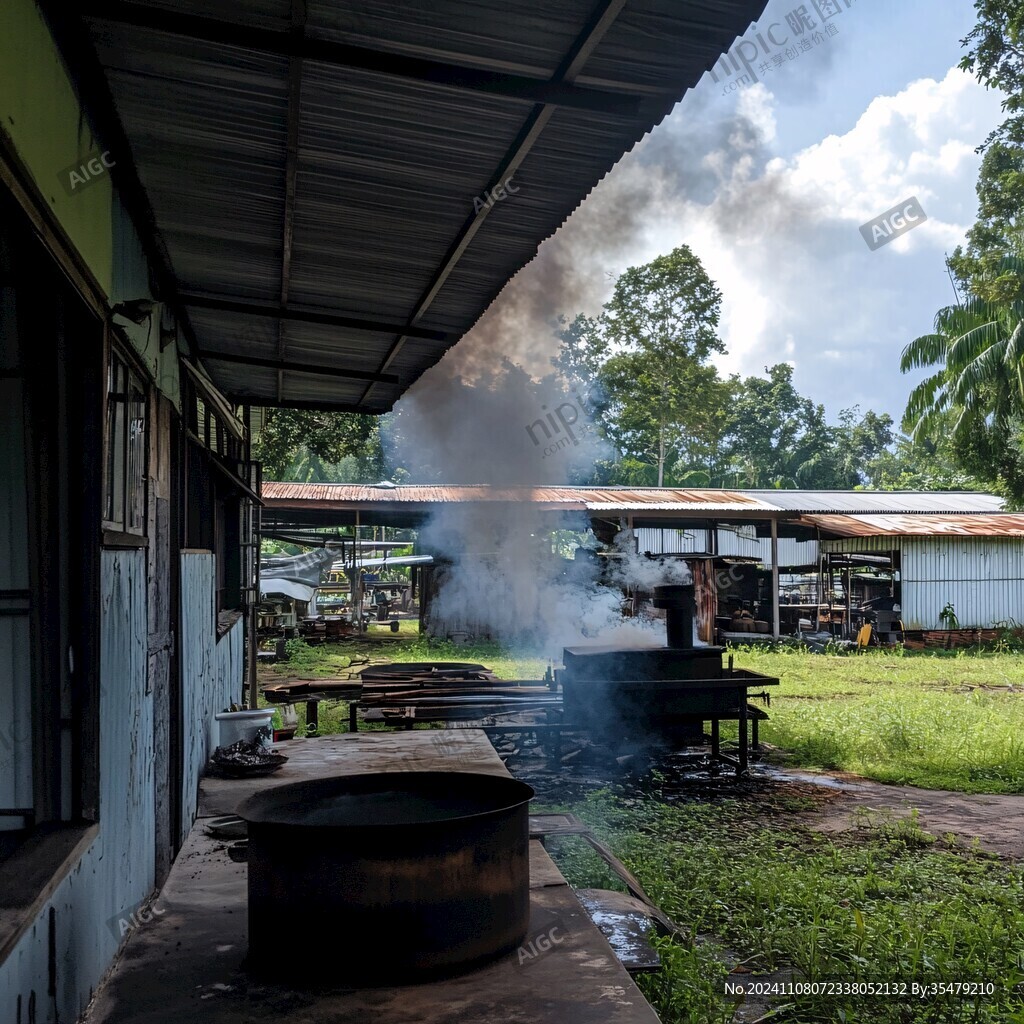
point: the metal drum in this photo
(388, 877)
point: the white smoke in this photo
(500, 576)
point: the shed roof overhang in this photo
(305, 170)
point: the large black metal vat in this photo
(657, 696)
(387, 877)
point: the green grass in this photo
(888, 904)
(918, 719)
(911, 718)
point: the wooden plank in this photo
(30, 877)
(626, 923)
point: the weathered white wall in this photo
(116, 873)
(211, 671)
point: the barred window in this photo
(125, 449)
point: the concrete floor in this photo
(186, 963)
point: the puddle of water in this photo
(768, 771)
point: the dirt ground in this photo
(997, 822)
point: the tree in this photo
(976, 396)
(661, 327)
(926, 465)
(996, 57)
(990, 264)
(297, 444)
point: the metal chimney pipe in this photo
(679, 602)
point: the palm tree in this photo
(975, 398)
(979, 349)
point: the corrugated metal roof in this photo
(312, 183)
(879, 502)
(976, 525)
(595, 499)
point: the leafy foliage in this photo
(976, 394)
(311, 447)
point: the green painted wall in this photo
(41, 115)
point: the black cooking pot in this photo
(387, 877)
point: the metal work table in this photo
(187, 964)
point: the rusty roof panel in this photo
(967, 525)
(598, 499)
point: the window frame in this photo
(125, 457)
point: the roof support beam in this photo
(520, 88)
(309, 316)
(601, 19)
(284, 366)
(291, 169)
(289, 404)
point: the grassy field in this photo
(935, 720)
(888, 903)
(939, 721)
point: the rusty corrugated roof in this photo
(596, 499)
(985, 524)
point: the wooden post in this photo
(743, 732)
(849, 603)
(252, 584)
(775, 579)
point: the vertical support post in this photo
(252, 570)
(744, 758)
(848, 586)
(775, 579)
(357, 580)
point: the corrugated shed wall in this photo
(862, 545)
(660, 541)
(792, 552)
(982, 578)
(211, 672)
(116, 873)
(665, 541)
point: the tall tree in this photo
(661, 326)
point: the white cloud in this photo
(781, 237)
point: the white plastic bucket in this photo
(233, 726)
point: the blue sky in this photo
(769, 185)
